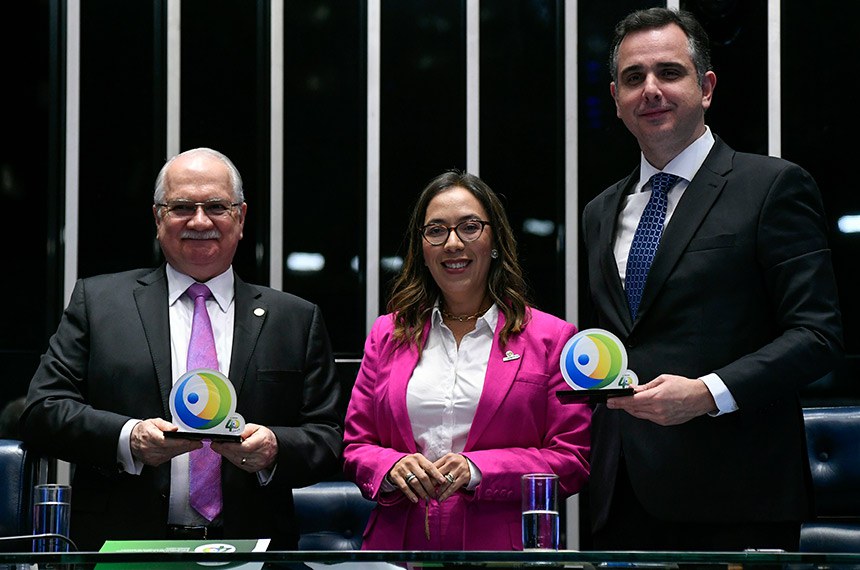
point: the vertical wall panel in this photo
(738, 32)
(121, 129)
(423, 123)
(28, 190)
(820, 41)
(324, 162)
(372, 215)
(522, 132)
(225, 95)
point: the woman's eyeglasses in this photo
(437, 234)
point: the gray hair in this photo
(235, 177)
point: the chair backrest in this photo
(17, 476)
(331, 515)
(833, 448)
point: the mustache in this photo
(193, 234)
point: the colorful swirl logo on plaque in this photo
(204, 401)
(595, 359)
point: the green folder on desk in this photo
(182, 546)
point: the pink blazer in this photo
(519, 427)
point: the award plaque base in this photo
(201, 436)
(591, 396)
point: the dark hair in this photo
(414, 291)
(697, 38)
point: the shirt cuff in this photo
(726, 403)
(387, 486)
(264, 476)
(475, 475)
(124, 459)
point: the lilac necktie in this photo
(646, 239)
(204, 464)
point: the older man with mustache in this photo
(100, 396)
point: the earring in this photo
(494, 253)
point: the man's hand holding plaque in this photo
(594, 364)
(203, 405)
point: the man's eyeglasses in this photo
(437, 234)
(185, 209)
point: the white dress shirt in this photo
(685, 165)
(445, 387)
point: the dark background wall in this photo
(225, 86)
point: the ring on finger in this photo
(449, 477)
(410, 477)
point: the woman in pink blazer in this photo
(455, 399)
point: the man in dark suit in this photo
(738, 312)
(100, 396)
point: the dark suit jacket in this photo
(109, 361)
(742, 285)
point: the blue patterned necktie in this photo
(204, 465)
(646, 239)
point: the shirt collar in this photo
(220, 285)
(685, 165)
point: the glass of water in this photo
(540, 511)
(52, 508)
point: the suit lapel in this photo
(694, 205)
(151, 300)
(501, 372)
(608, 263)
(250, 314)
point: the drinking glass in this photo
(52, 509)
(540, 511)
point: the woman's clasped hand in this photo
(419, 478)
